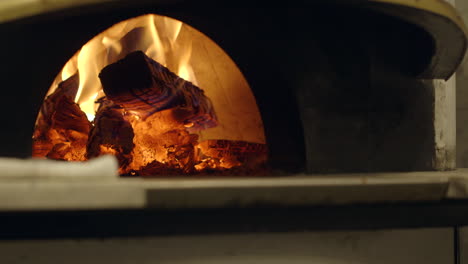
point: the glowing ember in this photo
(138, 83)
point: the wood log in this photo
(62, 128)
(67, 88)
(140, 84)
(111, 134)
(68, 115)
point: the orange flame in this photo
(158, 142)
(158, 37)
(186, 52)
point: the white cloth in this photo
(103, 166)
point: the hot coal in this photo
(228, 154)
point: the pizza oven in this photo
(316, 88)
(289, 104)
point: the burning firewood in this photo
(142, 85)
(111, 134)
(164, 110)
(62, 128)
(162, 137)
(148, 119)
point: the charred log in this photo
(61, 125)
(140, 84)
(111, 134)
(67, 88)
(68, 115)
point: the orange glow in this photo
(158, 141)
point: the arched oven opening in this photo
(160, 96)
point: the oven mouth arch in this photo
(160, 96)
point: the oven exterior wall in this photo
(462, 99)
(445, 120)
(362, 112)
(410, 246)
(445, 124)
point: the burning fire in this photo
(158, 94)
(155, 35)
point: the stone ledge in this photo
(182, 193)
